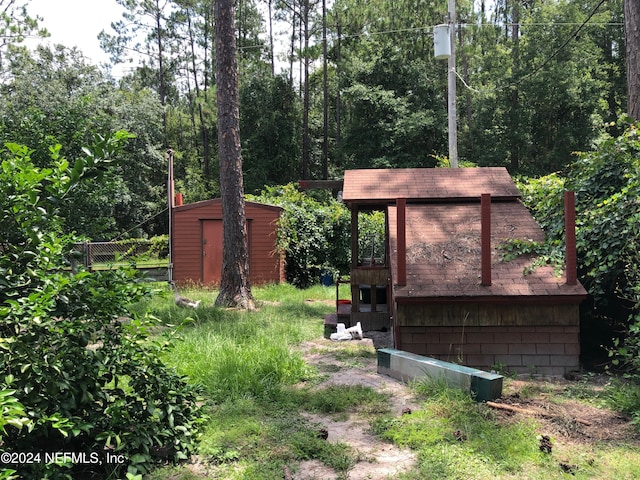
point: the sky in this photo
(77, 23)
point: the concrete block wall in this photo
(540, 350)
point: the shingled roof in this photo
(443, 233)
(444, 260)
(383, 186)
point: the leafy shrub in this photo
(607, 185)
(314, 235)
(75, 356)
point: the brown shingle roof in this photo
(375, 186)
(443, 253)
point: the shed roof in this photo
(218, 201)
(444, 255)
(383, 186)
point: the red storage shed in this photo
(196, 246)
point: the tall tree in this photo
(194, 27)
(235, 285)
(632, 35)
(15, 25)
(149, 18)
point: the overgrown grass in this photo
(459, 438)
(246, 363)
(624, 396)
(259, 388)
(235, 354)
(344, 398)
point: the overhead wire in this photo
(558, 50)
(148, 219)
(429, 28)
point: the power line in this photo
(140, 224)
(558, 50)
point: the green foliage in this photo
(451, 433)
(542, 253)
(624, 396)
(314, 235)
(393, 119)
(53, 97)
(371, 236)
(11, 410)
(268, 122)
(543, 196)
(607, 185)
(346, 398)
(75, 356)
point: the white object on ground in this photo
(343, 333)
(356, 331)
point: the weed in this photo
(501, 369)
(625, 397)
(346, 398)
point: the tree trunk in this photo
(514, 107)
(235, 286)
(632, 38)
(271, 52)
(203, 126)
(338, 106)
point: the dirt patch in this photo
(568, 421)
(355, 363)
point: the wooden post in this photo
(355, 289)
(485, 238)
(401, 225)
(354, 236)
(570, 237)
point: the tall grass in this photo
(236, 354)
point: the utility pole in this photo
(451, 103)
(325, 95)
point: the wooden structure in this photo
(196, 243)
(450, 295)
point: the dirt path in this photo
(355, 363)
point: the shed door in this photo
(211, 251)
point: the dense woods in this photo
(536, 81)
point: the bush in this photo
(314, 235)
(607, 185)
(77, 359)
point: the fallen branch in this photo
(583, 422)
(511, 408)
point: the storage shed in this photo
(450, 295)
(196, 243)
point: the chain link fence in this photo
(142, 253)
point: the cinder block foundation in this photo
(533, 350)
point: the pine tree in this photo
(235, 285)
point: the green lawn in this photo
(258, 388)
